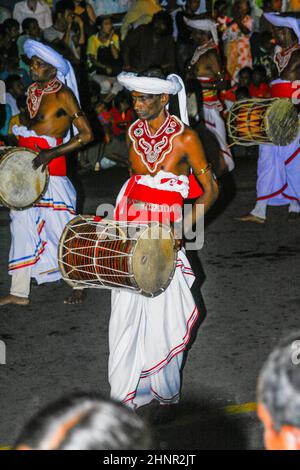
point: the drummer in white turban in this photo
(278, 170)
(53, 105)
(206, 66)
(148, 336)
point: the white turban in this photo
(172, 85)
(204, 25)
(65, 72)
(284, 22)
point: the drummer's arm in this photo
(85, 135)
(201, 168)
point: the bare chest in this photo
(51, 117)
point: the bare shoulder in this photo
(65, 93)
(189, 136)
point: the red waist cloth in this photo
(144, 204)
(285, 90)
(57, 167)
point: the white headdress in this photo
(284, 22)
(172, 85)
(204, 25)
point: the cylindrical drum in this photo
(263, 121)
(100, 253)
(20, 185)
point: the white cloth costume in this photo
(212, 107)
(147, 336)
(278, 170)
(35, 232)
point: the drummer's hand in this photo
(44, 157)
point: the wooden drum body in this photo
(96, 253)
(20, 185)
(267, 121)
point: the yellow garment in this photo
(294, 5)
(94, 43)
(141, 13)
(15, 120)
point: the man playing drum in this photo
(53, 106)
(206, 65)
(148, 336)
(278, 181)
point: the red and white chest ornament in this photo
(35, 95)
(153, 149)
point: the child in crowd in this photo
(220, 15)
(258, 87)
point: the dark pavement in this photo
(251, 292)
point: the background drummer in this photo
(53, 107)
(278, 170)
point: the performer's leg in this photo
(260, 209)
(20, 282)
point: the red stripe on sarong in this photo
(292, 156)
(273, 194)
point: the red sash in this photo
(285, 90)
(57, 167)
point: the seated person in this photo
(31, 30)
(103, 52)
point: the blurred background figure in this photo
(84, 421)
(37, 9)
(237, 39)
(103, 54)
(279, 396)
(87, 14)
(141, 12)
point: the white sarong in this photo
(147, 336)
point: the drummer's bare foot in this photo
(77, 297)
(251, 218)
(14, 300)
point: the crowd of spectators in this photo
(102, 38)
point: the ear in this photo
(164, 99)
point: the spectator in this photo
(151, 46)
(242, 93)
(12, 67)
(84, 422)
(21, 119)
(37, 9)
(245, 77)
(103, 51)
(61, 35)
(14, 89)
(259, 88)
(31, 30)
(221, 15)
(86, 12)
(115, 125)
(279, 397)
(237, 39)
(141, 12)
(12, 29)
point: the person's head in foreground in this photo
(84, 421)
(279, 396)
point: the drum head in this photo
(154, 260)
(282, 122)
(20, 185)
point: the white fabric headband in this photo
(284, 22)
(204, 25)
(173, 85)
